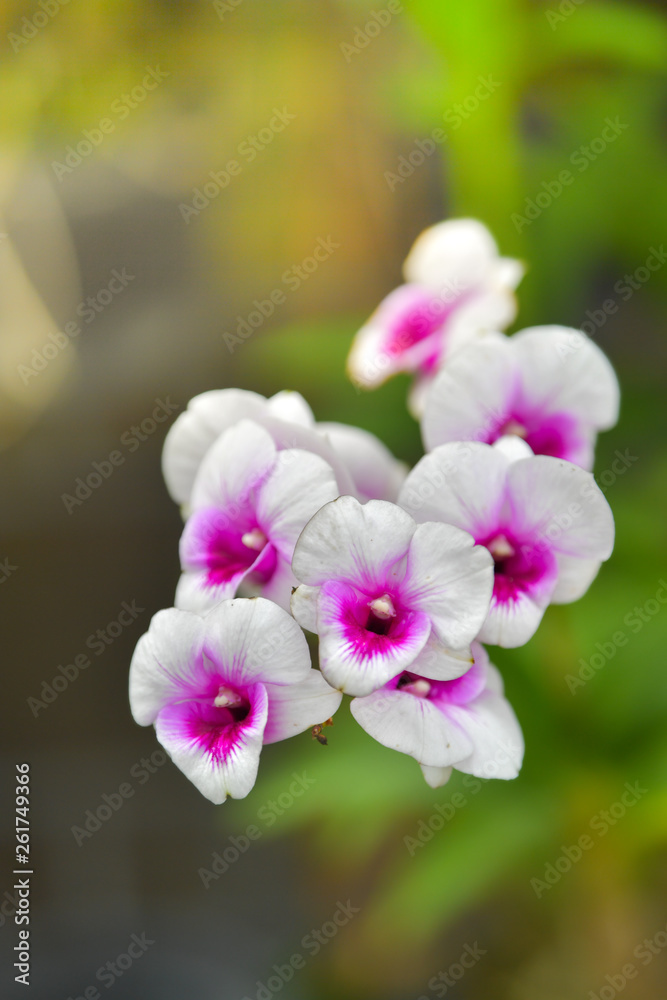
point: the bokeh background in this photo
(361, 98)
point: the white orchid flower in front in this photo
(465, 723)
(217, 689)
(549, 385)
(378, 589)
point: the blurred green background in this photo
(358, 86)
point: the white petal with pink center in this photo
(465, 723)
(218, 688)
(249, 503)
(544, 521)
(457, 288)
(378, 589)
(549, 385)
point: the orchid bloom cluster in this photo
(294, 525)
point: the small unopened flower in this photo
(379, 589)
(218, 688)
(549, 385)
(249, 503)
(465, 723)
(544, 521)
(362, 464)
(457, 287)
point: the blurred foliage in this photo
(558, 83)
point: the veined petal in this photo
(436, 777)
(219, 760)
(293, 708)
(377, 475)
(509, 272)
(463, 484)
(255, 640)
(278, 588)
(414, 726)
(195, 593)
(403, 334)
(440, 663)
(290, 406)
(513, 620)
(560, 505)
(348, 541)
(492, 727)
(304, 606)
(195, 430)
(234, 467)
(352, 658)
(450, 579)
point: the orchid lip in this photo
(501, 548)
(420, 687)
